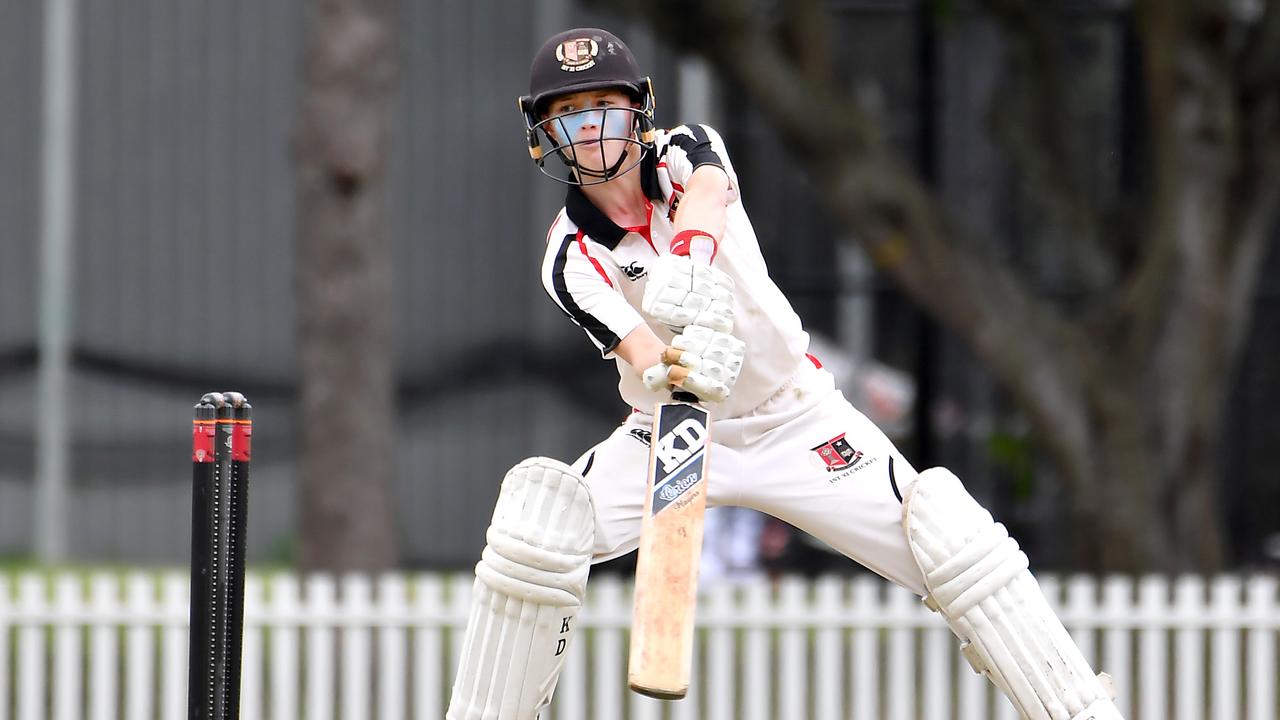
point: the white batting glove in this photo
(681, 292)
(700, 360)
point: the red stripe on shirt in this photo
(582, 245)
(553, 226)
(671, 201)
(676, 187)
(644, 230)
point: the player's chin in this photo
(592, 163)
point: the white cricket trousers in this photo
(805, 456)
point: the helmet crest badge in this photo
(577, 55)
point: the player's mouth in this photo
(590, 150)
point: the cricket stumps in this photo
(221, 437)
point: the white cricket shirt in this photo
(595, 271)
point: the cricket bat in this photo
(670, 545)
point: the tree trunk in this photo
(342, 284)
(1132, 531)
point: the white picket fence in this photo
(107, 646)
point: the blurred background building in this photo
(182, 224)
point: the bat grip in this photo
(684, 396)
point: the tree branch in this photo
(1159, 26)
(1026, 342)
(1258, 186)
(808, 38)
(1259, 207)
(1260, 61)
(1033, 119)
(1245, 270)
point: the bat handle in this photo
(684, 396)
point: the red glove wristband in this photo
(682, 243)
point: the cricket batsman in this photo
(654, 250)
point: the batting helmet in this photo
(578, 60)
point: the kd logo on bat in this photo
(679, 452)
(680, 443)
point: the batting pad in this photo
(529, 585)
(979, 580)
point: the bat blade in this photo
(670, 545)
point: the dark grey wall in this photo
(182, 266)
(20, 59)
(184, 229)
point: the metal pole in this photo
(57, 205)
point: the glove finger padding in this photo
(711, 282)
(700, 360)
(714, 353)
(718, 316)
(681, 292)
(655, 377)
(704, 386)
(713, 369)
(665, 376)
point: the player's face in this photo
(594, 125)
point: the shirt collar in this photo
(595, 223)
